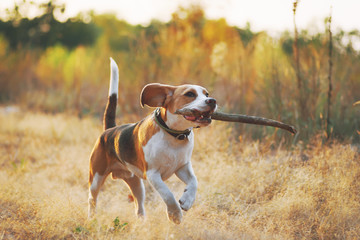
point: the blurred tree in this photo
(328, 116)
(246, 34)
(45, 30)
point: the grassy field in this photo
(247, 189)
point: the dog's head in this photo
(193, 99)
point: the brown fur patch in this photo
(163, 114)
(155, 94)
(98, 163)
(178, 100)
(142, 134)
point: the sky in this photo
(273, 16)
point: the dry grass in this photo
(246, 190)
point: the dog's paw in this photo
(186, 201)
(141, 213)
(174, 214)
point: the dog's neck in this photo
(174, 121)
(179, 135)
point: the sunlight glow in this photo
(273, 16)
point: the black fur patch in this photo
(124, 148)
(127, 149)
(110, 111)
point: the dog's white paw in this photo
(186, 201)
(174, 214)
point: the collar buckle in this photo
(181, 137)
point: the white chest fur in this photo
(166, 155)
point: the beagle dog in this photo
(154, 148)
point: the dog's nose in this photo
(211, 102)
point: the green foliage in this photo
(81, 230)
(246, 34)
(117, 225)
(19, 165)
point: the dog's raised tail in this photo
(110, 110)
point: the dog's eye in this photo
(206, 94)
(190, 94)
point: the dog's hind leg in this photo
(137, 188)
(97, 182)
(97, 176)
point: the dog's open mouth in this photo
(199, 117)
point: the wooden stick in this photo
(243, 119)
(252, 120)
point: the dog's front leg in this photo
(186, 174)
(173, 208)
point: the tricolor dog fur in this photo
(154, 148)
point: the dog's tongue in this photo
(190, 118)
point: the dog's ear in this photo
(156, 94)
